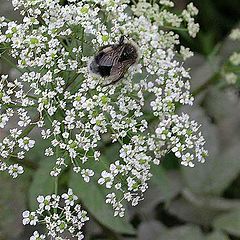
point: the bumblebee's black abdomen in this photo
(104, 71)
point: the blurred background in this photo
(202, 203)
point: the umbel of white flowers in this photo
(73, 110)
(58, 216)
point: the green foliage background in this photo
(181, 204)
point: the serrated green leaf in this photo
(229, 222)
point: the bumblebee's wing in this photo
(118, 71)
(109, 56)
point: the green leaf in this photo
(189, 212)
(12, 204)
(229, 222)
(215, 175)
(163, 187)
(150, 230)
(93, 195)
(188, 232)
(169, 183)
(217, 236)
(221, 105)
(200, 209)
(43, 183)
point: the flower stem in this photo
(56, 185)
(174, 28)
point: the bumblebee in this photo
(113, 61)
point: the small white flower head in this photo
(59, 217)
(167, 3)
(15, 170)
(185, 52)
(235, 34)
(26, 143)
(3, 120)
(37, 236)
(106, 178)
(231, 78)
(44, 202)
(3, 166)
(235, 58)
(69, 197)
(193, 28)
(29, 218)
(192, 9)
(86, 174)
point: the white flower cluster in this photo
(76, 112)
(230, 70)
(12, 96)
(130, 174)
(182, 138)
(185, 52)
(13, 170)
(235, 34)
(59, 214)
(235, 57)
(160, 15)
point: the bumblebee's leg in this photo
(121, 40)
